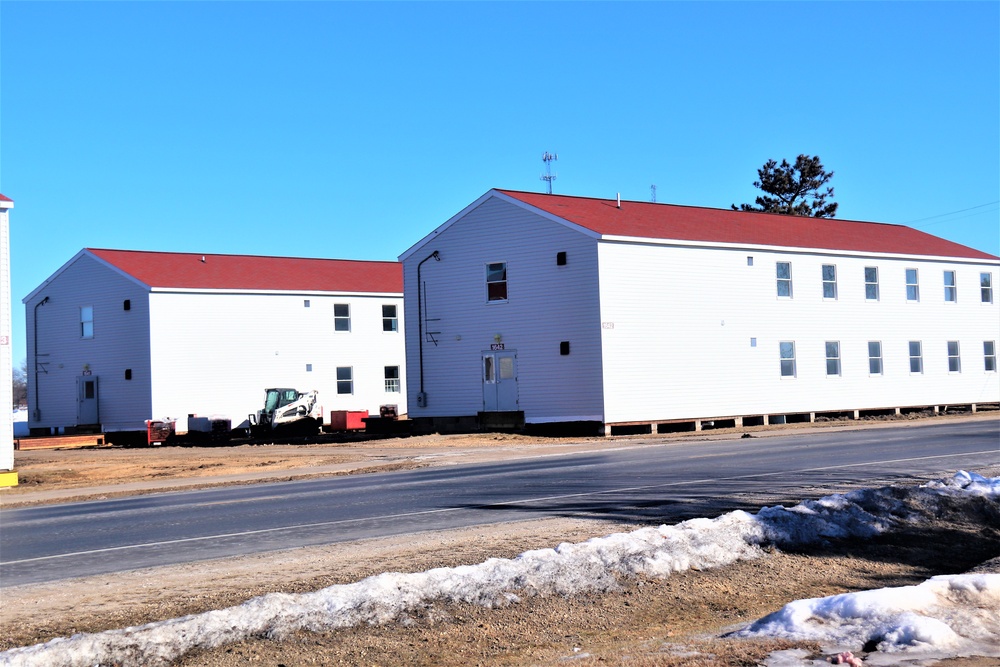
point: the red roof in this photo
(691, 223)
(5, 198)
(249, 272)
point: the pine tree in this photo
(794, 189)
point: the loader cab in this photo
(279, 398)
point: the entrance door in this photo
(500, 381)
(87, 400)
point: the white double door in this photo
(500, 381)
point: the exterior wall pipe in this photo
(422, 397)
(37, 413)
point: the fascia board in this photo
(199, 290)
(548, 216)
(503, 197)
(83, 253)
(789, 250)
(409, 252)
(4, 205)
(119, 271)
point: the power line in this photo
(972, 208)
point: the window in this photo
(784, 273)
(912, 287)
(127, 304)
(829, 281)
(306, 303)
(787, 352)
(950, 291)
(389, 320)
(749, 260)
(954, 360)
(986, 287)
(87, 322)
(990, 356)
(564, 348)
(496, 281)
(832, 357)
(871, 283)
(309, 368)
(916, 357)
(392, 379)
(341, 317)
(874, 357)
(345, 380)
(561, 258)
(128, 373)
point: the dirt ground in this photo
(676, 621)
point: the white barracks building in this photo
(117, 337)
(643, 316)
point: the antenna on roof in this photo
(548, 176)
(652, 193)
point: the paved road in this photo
(650, 482)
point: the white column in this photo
(6, 358)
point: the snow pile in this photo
(21, 429)
(946, 615)
(564, 570)
(966, 483)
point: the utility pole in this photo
(548, 176)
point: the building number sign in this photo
(496, 346)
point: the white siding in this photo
(119, 343)
(683, 319)
(215, 354)
(547, 304)
(6, 359)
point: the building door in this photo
(87, 400)
(500, 381)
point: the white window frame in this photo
(505, 282)
(832, 348)
(950, 289)
(829, 284)
(871, 286)
(875, 360)
(954, 357)
(392, 383)
(990, 356)
(786, 281)
(390, 323)
(86, 322)
(986, 287)
(786, 356)
(345, 380)
(914, 287)
(918, 357)
(342, 323)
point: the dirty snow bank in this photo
(941, 617)
(569, 568)
(945, 616)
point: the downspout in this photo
(37, 411)
(422, 396)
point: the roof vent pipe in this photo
(619, 200)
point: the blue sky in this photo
(336, 129)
